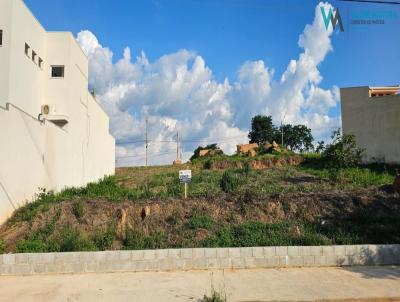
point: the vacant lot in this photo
(231, 203)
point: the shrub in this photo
(229, 182)
(78, 209)
(343, 152)
(31, 246)
(2, 246)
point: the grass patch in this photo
(215, 297)
(78, 208)
(137, 240)
(229, 182)
(200, 221)
(265, 234)
(362, 176)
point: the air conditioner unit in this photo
(48, 110)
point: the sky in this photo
(205, 68)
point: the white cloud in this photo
(178, 92)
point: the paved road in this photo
(305, 284)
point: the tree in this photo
(297, 138)
(262, 129)
(320, 147)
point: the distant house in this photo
(246, 148)
(372, 114)
(204, 152)
(53, 133)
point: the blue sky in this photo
(226, 34)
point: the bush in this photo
(343, 152)
(2, 246)
(229, 182)
(31, 246)
(78, 209)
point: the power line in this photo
(144, 155)
(205, 140)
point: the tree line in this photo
(292, 137)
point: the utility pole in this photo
(147, 141)
(282, 132)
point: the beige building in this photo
(373, 115)
(53, 134)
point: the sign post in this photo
(185, 177)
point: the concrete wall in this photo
(374, 121)
(199, 258)
(35, 154)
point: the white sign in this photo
(185, 176)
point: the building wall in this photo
(5, 25)
(39, 154)
(374, 121)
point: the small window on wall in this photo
(27, 49)
(57, 71)
(1, 37)
(40, 62)
(34, 55)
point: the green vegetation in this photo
(78, 209)
(267, 234)
(215, 297)
(229, 182)
(296, 137)
(350, 177)
(200, 221)
(2, 246)
(343, 152)
(246, 206)
(136, 240)
(311, 176)
(214, 151)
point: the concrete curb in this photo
(199, 258)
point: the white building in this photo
(53, 134)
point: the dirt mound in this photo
(173, 216)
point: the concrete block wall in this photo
(199, 259)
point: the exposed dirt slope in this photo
(172, 216)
